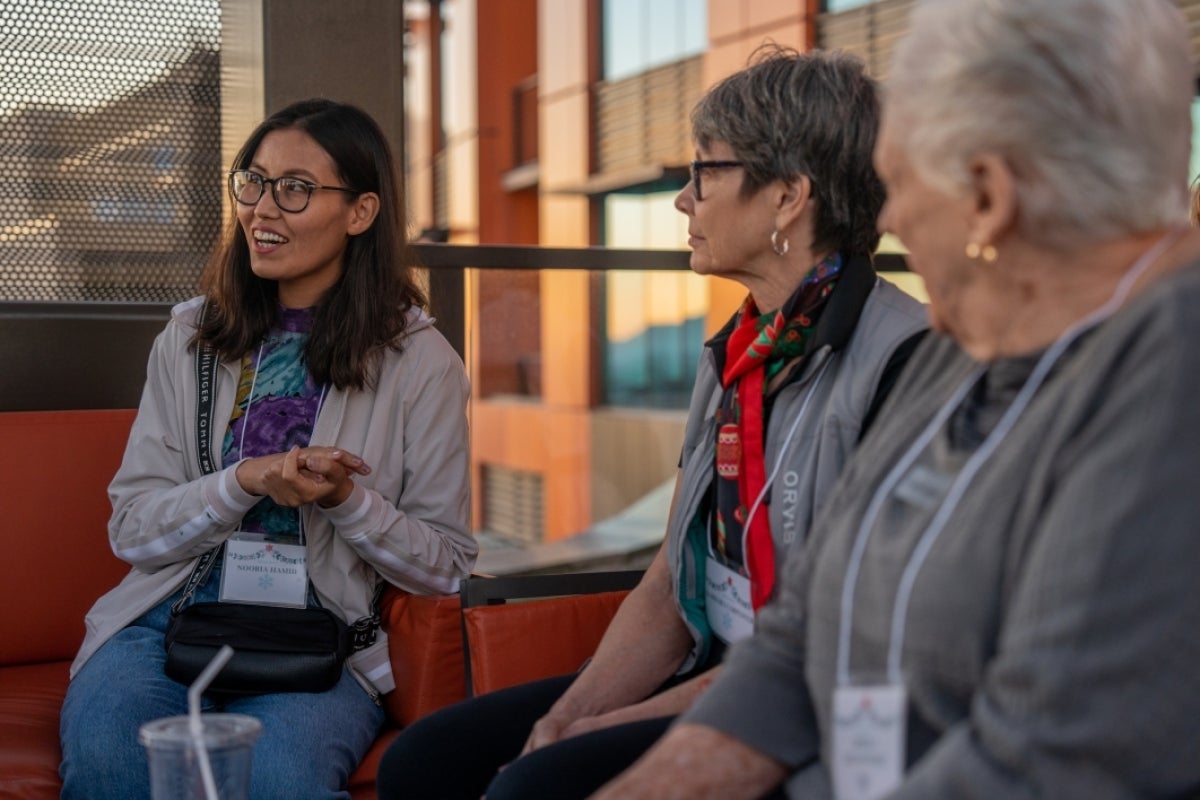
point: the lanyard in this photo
(960, 484)
(250, 403)
(246, 423)
(787, 440)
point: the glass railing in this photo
(580, 360)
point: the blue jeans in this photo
(310, 743)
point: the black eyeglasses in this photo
(698, 168)
(291, 194)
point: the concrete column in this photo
(274, 52)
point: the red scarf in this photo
(757, 350)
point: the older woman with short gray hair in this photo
(782, 199)
(999, 598)
(788, 117)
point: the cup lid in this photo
(219, 730)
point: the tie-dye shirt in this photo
(276, 408)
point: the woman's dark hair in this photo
(815, 114)
(367, 309)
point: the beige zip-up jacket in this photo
(407, 521)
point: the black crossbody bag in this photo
(275, 649)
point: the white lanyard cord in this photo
(850, 582)
(246, 423)
(1007, 421)
(782, 451)
(787, 440)
(775, 470)
(249, 403)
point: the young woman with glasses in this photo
(339, 437)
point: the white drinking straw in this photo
(196, 725)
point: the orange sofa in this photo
(53, 514)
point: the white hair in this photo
(1088, 101)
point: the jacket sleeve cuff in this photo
(351, 512)
(762, 707)
(226, 498)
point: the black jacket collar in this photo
(837, 319)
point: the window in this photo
(642, 34)
(653, 321)
(843, 5)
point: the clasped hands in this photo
(552, 729)
(320, 475)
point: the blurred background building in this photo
(565, 123)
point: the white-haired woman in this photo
(999, 599)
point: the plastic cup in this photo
(175, 768)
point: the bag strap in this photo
(362, 632)
(199, 573)
(206, 377)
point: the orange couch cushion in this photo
(30, 702)
(426, 650)
(30, 699)
(53, 526)
(362, 780)
(57, 503)
(522, 641)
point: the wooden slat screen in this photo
(513, 503)
(871, 31)
(644, 120)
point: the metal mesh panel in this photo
(110, 148)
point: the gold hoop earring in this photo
(780, 249)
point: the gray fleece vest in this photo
(815, 425)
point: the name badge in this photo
(868, 740)
(727, 602)
(267, 573)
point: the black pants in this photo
(457, 751)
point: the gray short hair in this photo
(1087, 100)
(814, 114)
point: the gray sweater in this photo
(1052, 643)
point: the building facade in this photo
(565, 123)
